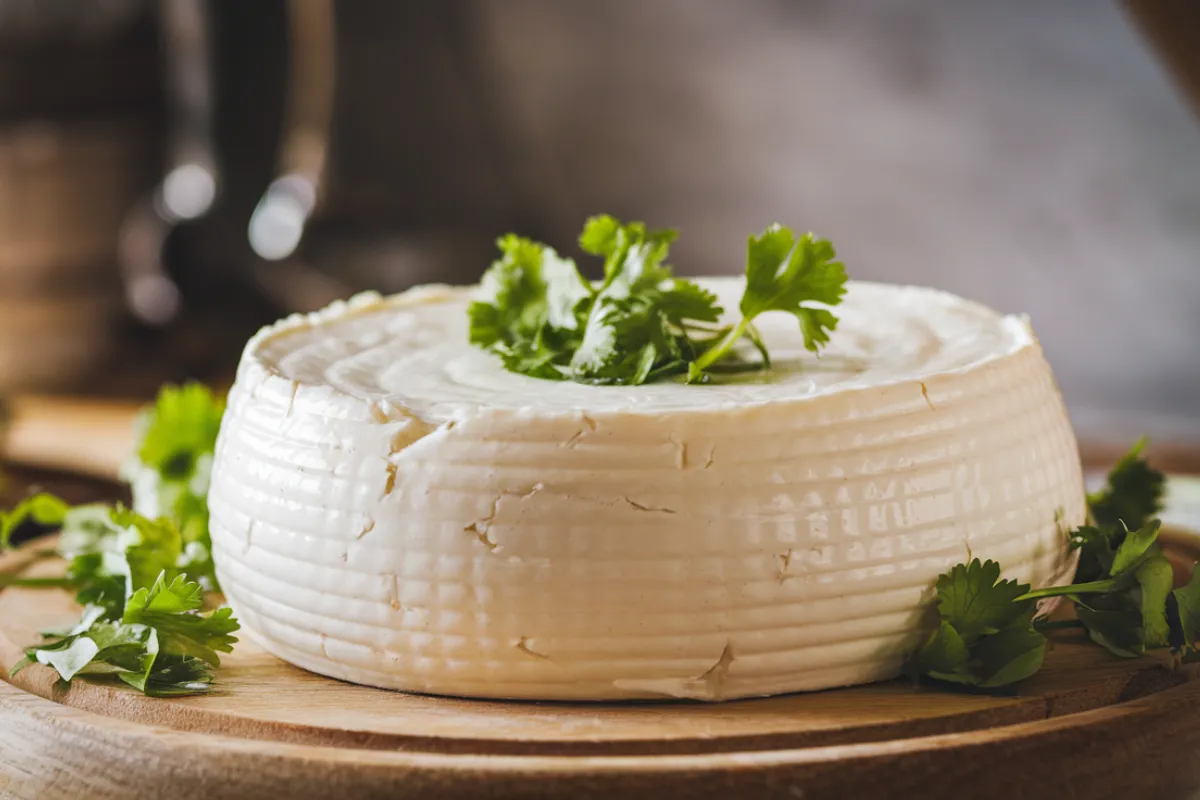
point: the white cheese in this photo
(391, 507)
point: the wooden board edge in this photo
(49, 751)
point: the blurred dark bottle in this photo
(135, 139)
(175, 173)
(328, 147)
(397, 162)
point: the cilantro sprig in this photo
(1132, 495)
(987, 635)
(143, 620)
(140, 574)
(640, 323)
(170, 466)
(784, 272)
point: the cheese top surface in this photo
(412, 351)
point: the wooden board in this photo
(1087, 725)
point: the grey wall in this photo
(1029, 154)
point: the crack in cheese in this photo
(424, 520)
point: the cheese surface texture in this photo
(389, 506)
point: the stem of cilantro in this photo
(1093, 587)
(720, 349)
(756, 339)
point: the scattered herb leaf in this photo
(785, 273)
(140, 574)
(41, 508)
(1133, 493)
(1123, 597)
(986, 636)
(169, 471)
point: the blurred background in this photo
(174, 174)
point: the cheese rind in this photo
(390, 507)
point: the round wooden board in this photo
(1087, 725)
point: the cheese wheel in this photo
(391, 507)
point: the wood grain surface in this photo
(1088, 725)
(88, 436)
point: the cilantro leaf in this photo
(41, 508)
(623, 342)
(537, 313)
(512, 293)
(1132, 495)
(1122, 598)
(177, 597)
(985, 637)
(88, 529)
(1155, 578)
(180, 427)
(943, 656)
(1135, 547)
(169, 472)
(171, 609)
(1122, 588)
(1097, 547)
(1187, 609)
(100, 648)
(599, 237)
(175, 676)
(70, 659)
(784, 272)
(683, 301)
(633, 255)
(1009, 656)
(628, 331)
(121, 648)
(640, 265)
(140, 576)
(1133, 492)
(566, 291)
(641, 323)
(531, 308)
(976, 602)
(1114, 622)
(163, 644)
(142, 620)
(155, 547)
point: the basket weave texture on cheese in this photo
(391, 507)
